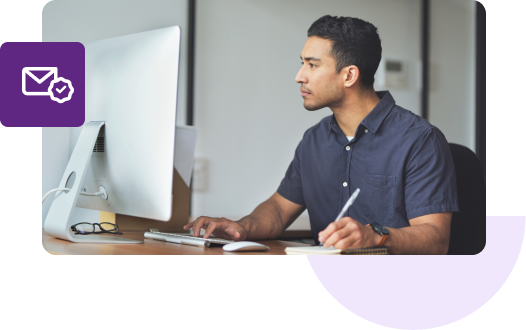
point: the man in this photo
(400, 163)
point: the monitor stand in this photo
(59, 216)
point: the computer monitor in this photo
(126, 146)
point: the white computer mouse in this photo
(244, 246)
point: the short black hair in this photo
(354, 42)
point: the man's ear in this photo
(351, 75)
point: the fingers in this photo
(343, 234)
(197, 224)
(354, 240)
(336, 236)
(220, 227)
(190, 224)
(331, 228)
(211, 227)
(234, 233)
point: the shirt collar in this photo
(375, 118)
(333, 125)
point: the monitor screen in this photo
(126, 146)
(131, 85)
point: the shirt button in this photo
(347, 148)
(345, 184)
(366, 131)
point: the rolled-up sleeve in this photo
(291, 186)
(430, 181)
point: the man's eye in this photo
(312, 65)
(302, 63)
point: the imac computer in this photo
(125, 149)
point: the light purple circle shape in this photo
(422, 292)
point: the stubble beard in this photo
(330, 99)
(312, 107)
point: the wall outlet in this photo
(200, 175)
(395, 74)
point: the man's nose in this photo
(300, 77)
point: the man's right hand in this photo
(220, 227)
(267, 221)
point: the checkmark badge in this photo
(61, 98)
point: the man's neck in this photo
(355, 108)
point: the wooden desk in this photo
(151, 247)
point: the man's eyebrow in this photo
(310, 59)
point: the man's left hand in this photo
(348, 233)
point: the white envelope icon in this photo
(42, 84)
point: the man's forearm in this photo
(418, 239)
(265, 222)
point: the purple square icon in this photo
(42, 84)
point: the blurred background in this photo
(236, 83)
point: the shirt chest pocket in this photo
(376, 199)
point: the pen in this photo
(346, 207)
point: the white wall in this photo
(452, 70)
(85, 21)
(248, 109)
(55, 156)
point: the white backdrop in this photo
(55, 151)
(452, 69)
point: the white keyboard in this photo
(214, 240)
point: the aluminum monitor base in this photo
(58, 220)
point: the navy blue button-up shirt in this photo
(400, 162)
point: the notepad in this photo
(312, 250)
(320, 250)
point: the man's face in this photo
(321, 85)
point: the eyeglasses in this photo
(86, 228)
